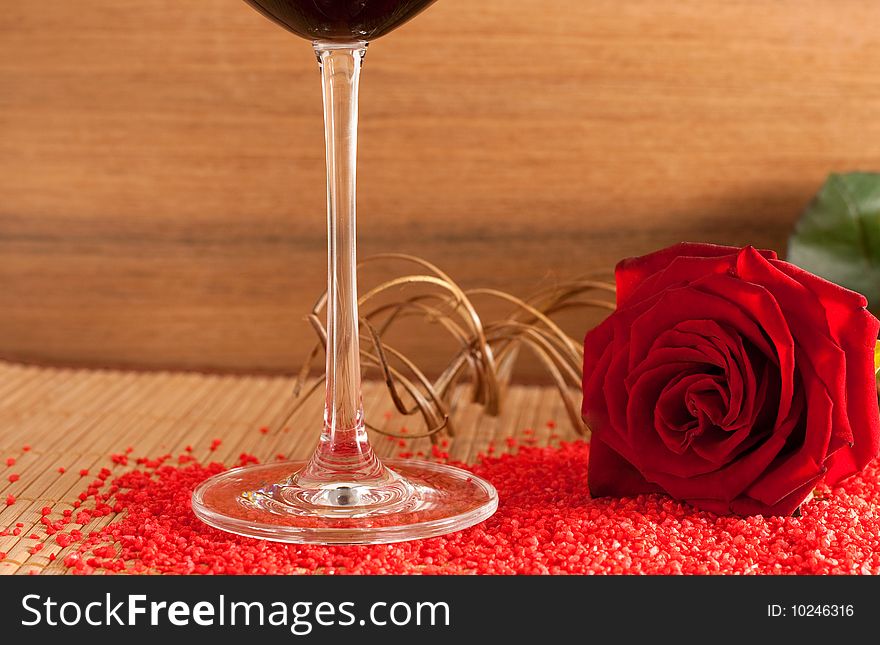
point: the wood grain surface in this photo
(161, 162)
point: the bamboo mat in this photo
(76, 419)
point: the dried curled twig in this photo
(486, 350)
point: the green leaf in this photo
(838, 235)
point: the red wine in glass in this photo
(344, 494)
(339, 20)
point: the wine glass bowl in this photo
(344, 494)
(345, 21)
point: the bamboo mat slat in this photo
(70, 419)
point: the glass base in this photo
(417, 499)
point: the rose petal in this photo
(758, 304)
(739, 310)
(640, 272)
(855, 330)
(674, 422)
(722, 348)
(597, 355)
(805, 454)
(755, 315)
(647, 450)
(610, 474)
(809, 327)
(745, 505)
(725, 483)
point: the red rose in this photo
(729, 379)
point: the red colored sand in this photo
(546, 523)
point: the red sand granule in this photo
(10, 499)
(62, 470)
(14, 477)
(546, 523)
(245, 458)
(2, 556)
(10, 461)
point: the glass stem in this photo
(344, 448)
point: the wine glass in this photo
(344, 494)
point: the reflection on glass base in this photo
(420, 499)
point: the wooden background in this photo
(161, 162)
